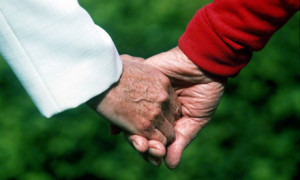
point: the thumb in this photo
(138, 142)
(174, 152)
(186, 130)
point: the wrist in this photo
(193, 71)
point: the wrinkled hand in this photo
(198, 92)
(142, 103)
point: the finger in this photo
(171, 112)
(166, 128)
(174, 152)
(131, 58)
(137, 142)
(155, 153)
(152, 151)
(158, 136)
(156, 149)
(114, 130)
(186, 130)
(175, 105)
(155, 161)
(172, 108)
(156, 143)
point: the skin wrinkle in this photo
(198, 93)
(196, 124)
(134, 96)
(141, 89)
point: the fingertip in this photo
(174, 152)
(171, 166)
(156, 149)
(139, 143)
(155, 161)
(158, 136)
(172, 161)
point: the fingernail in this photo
(152, 151)
(135, 145)
(153, 161)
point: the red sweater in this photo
(222, 35)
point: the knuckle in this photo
(171, 137)
(163, 97)
(164, 141)
(155, 113)
(125, 56)
(158, 136)
(165, 80)
(145, 125)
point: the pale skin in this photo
(199, 94)
(142, 104)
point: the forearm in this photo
(222, 35)
(60, 56)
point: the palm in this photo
(199, 96)
(198, 105)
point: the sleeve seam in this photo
(28, 57)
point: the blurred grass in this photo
(253, 136)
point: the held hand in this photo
(198, 92)
(142, 103)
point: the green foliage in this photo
(253, 136)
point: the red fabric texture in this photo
(222, 35)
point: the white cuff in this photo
(60, 56)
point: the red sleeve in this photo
(222, 35)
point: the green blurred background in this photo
(253, 136)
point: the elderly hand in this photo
(142, 104)
(198, 92)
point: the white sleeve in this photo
(60, 56)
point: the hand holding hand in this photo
(198, 92)
(141, 103)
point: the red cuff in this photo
(202, 45)
(221, 37)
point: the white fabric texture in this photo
(60, 56)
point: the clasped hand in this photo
(160, 104)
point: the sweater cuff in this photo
(204, 47)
